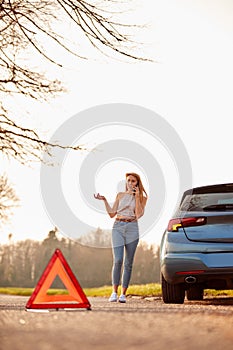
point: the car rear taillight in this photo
(175, 224)
(192, 272)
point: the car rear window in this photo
(198, 202)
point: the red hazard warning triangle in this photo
(58, 266)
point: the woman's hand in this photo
(110, 210)
(100, 197)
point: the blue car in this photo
(196, 250)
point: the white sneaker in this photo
(122, 298)
(113, 297)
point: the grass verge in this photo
(152, 289)
(144, 290)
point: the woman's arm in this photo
(139, 205)
(112, 211)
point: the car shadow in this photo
(220, 301)
(216, 301)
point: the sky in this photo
(189, 86)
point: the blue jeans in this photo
(125, 236)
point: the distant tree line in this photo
(22, 263)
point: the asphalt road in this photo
(138, 324)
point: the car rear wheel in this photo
(195, 293)
(172, 293)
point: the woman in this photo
(128, 208)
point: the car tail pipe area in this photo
(190, 279)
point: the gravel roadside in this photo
(139, 324)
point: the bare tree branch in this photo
(8, 199)
(24, 144)
(27, 28)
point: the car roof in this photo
(227, 187)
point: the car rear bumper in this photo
(204, 266)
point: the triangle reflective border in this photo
(76, 298)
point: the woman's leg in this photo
(118, 254)
(132, 239)
(130, 250)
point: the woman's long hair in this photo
(139, 184)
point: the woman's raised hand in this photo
(100, 197)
